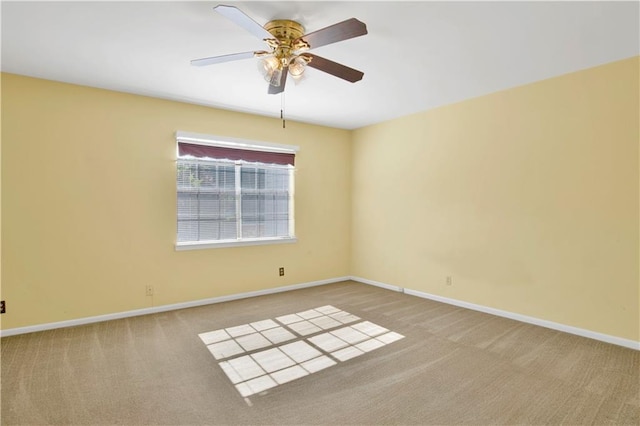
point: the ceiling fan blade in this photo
(334, 68)
(240, 18)
(224, 58)
(337, 32)
(274, 90)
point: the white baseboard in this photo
(627, 343)
(378, 284)
(164, 308)
(632, 344)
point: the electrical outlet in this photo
(3, 307)
(149, 290)
(281, 272)
(449, 280)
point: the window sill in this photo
(233, 243)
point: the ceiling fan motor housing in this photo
(288, 34)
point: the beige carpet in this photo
(453, 366)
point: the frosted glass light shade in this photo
(267, 67)
(297, 66)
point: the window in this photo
(233, 192)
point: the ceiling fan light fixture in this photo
(297, 66)
(267, 66)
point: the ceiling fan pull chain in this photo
(282, 110)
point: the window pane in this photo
(187, 231)
(186, 171)
(248, 177)
(207, 176)
(187, 216)
(265, 202)
(206, 201)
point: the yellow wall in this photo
(88, 207)
(1, 294)
(528, 198)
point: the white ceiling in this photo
(417, 55)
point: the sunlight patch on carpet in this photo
(264, 354)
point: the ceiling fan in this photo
(288, 48)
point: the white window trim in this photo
(198, 245)
(227, 142)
